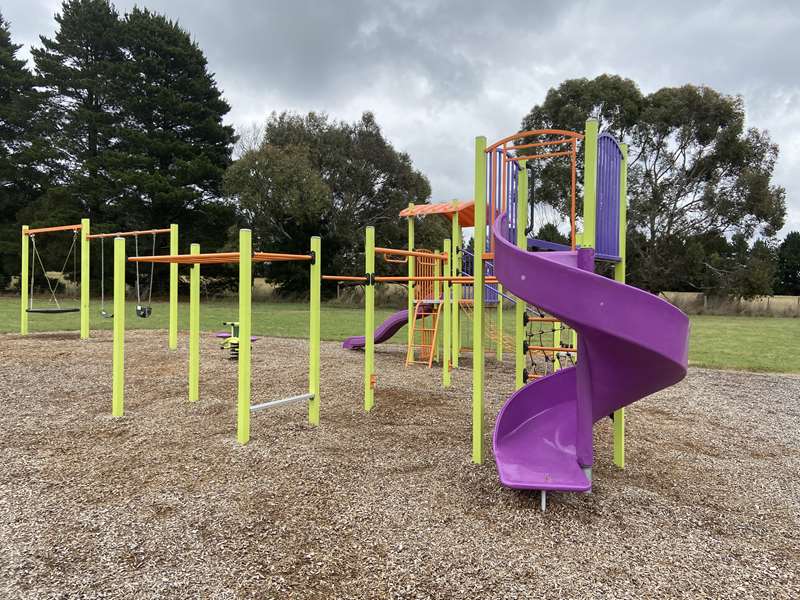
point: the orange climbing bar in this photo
(552, 349)
(543, 320)
(524, 134)
(51, 229)
(400, 278)
(343, 278)
(219, 258)
(545, 155)
(96, 236)
(438, 256)
(565, 140)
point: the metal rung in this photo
(298, 398)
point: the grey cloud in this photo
(437, 73)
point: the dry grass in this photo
(164, 503)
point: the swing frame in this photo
(83, 228)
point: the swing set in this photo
(80, 247)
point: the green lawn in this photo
(746, 343)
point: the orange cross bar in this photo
(343, 278)
(51, 229)
(524, 134)
(95, 236)
(439, 256)
(218, 258)
(545, 155)
(552, 349)
(557, 142)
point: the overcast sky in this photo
(436, 74)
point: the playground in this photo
(474, 443)
(374, 504)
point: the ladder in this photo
(424, 329)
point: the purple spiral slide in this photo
(630, 344)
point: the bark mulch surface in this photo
(164, 503)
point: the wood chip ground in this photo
(163, 503)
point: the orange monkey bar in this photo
(96, 236)
(51, 229)
(401, 278)
(535, 156)
(552, 349)
(219, 258)
(392, 251)
(570, 135)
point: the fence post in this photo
(245, 295)
(118, 353)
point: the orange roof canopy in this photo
(464, 208)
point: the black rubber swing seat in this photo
(52, 311)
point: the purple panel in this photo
(609, 164)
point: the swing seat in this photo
(144, 311)
(52, 311)
(106, 315)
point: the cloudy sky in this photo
(436, 74)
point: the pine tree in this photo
(20, 152)
(175, 146)
(78, 68)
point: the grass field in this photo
(744, 343)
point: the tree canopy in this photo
(311, 175)
(696, 172)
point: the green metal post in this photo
(23, 283)
(245, 331)
(448, 289)
(477, 318)
(455, 271)
(556, 344)
(118, 354)
(411, 273)
(314, 331)
(173, 289)
(619, 275)
(522, 242)
(194, 328)
(498, 354)
(590, 184)
(85, 279)
(369, 315)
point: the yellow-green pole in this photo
(85, 279)
(455, 266)
(314, 330)
(556, 344)
(500, 333)
(369, 313)
(23, 283)
(173, 289)
(522, 242)
(477, 319)
(590, 184)
(245, 308)
(194, 328)
(447, 320)
(118, 353)
(619, 275)
(411, 273)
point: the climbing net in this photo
(549, 344)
